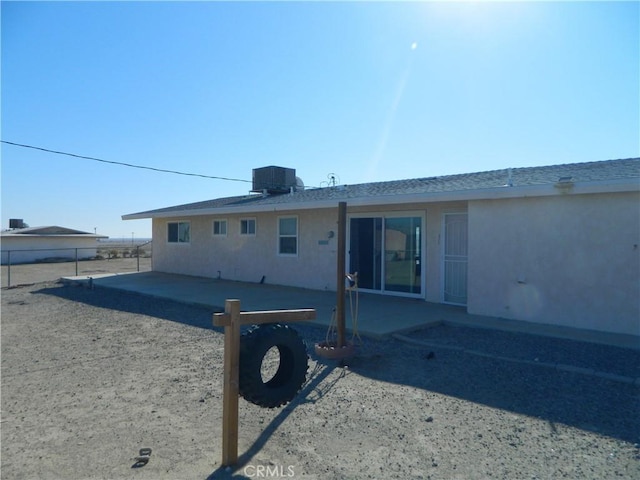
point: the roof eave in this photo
(53, 235)
(494, 193)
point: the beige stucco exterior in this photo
(570, 260)
(560, 258)
(249, 258)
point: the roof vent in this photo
(274, 179)
(509, 178)
(564, 184)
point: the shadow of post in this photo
(473, 368)
(317, 376)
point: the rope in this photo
(354, 313)
(332, 330)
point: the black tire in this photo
(292, 369)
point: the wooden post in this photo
(231, 382)
(232, 319)
(342, 247)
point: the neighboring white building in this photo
(32, 244)
(555, 245)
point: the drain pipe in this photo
(342, 251)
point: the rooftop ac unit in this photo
(16, 223)
(274, 179)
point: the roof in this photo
(52, 231)
(589, 177)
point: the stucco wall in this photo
(570, 260)
(41, 247)
(249, 258)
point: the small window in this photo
(220, 228)
(178, 232)
(248, 226)
(288, 236)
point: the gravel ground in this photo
(91, 376)
(602, 359)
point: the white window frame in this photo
(255, 226)
(220, 221)
(178, 241)
(296, 236)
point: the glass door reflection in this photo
(386, 253)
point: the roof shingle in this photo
(609, 170)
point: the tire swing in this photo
(291, 374)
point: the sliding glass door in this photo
(365, 251)
(403, 239)
(386, 252)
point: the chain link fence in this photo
(20, 267)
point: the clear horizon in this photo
(362, 91)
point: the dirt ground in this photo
(89, 377)
(46, 272)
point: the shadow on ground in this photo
(313, 390)
(192, 315)
(586, 402)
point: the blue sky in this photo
(367, 91)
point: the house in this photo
(553, 244)
(33, 244)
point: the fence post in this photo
(8, 268)
(138, 256)
(76, 262)
(231, 320)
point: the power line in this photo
(162, 170)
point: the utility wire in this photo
(125, 164)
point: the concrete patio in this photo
(379, 315)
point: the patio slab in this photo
(378, 315)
